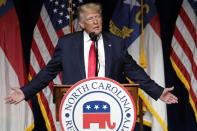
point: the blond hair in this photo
(89, 8)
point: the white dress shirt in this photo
(101, 54)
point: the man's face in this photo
(91, 22)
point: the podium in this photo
(60, 90)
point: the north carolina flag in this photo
(141, 31)
(12, 70)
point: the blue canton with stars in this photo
(58, 11)
(96, 107)
(193, 4)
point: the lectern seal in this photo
(97, 104)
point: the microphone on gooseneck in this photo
(94, 38)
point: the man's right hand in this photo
(16, 97)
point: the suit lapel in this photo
(80, 47)
(107, 48)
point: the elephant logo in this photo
(97, 112)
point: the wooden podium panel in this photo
(60, 90)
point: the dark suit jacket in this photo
(69, 59)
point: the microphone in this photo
(94, 38)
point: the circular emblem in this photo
(97, 104)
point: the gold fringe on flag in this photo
(186, 83)
(142, 60)
(42, 108)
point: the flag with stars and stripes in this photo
(183, 49)
(57, 18)
(140, 27)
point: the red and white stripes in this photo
(184, 50)
(43, 44)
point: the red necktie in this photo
(92, 61)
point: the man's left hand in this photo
(168, 97)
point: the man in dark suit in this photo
(71, 58)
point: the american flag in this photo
(184, 49)
(57, 18)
